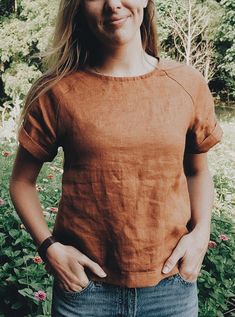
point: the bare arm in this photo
(66, 262)
(201, 191)
(24, 194)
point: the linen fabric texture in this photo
(125, 201)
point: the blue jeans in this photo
(171, 297)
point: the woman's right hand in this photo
(67, 264)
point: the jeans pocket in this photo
(72, 294)
(183, 280)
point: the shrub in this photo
(22, 272)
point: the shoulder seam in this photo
(173, 64)
(181, 86)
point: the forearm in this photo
(27, 205)
(201, 192)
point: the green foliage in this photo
(225, 48)
(220, 32)
(16, 83)
(216, 284)
(20, 276)
(21, 37)
(7, 7)
(29, 30)
(26, 28)
(164, 24)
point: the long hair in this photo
(71, 48)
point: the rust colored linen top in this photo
(125, 201)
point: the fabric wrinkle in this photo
(124, 199)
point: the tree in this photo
(7, 7)
(22, 35)
(225, 48)
(189, 24)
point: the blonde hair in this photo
(71, 48)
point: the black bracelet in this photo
(42, 249)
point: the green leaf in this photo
(17, 305)
(26, 291)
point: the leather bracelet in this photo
(42, 249)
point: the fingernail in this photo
(166, 269)
(103, 274)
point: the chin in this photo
(119, 39)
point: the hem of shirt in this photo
(212, 139)
(132, 279)
(34, 148)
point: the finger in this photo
(72, 287)
(189, 272)
(70, 274)
(66, 287)
(177, 253)
(86, 261)
(72, 281)
(73, 277)
(79, 277)
(93, 266)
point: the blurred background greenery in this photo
(199, 33)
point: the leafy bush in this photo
(22, 36)
(217, 283)
(225, 48)
(22, 273)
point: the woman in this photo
(136, 190)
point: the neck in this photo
(120, 61)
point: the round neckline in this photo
(126, 78)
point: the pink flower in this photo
(53, 209)
(40, 295)
(50, 176)
(212, 244)
(2, 202)
(223, 237)
(6, 153)
(37, 259)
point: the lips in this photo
(116, 19)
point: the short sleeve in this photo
(38, 133)
(204, 131)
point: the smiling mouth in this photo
(118, 22)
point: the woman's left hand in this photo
(192, 248)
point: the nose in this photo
(113, 5)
